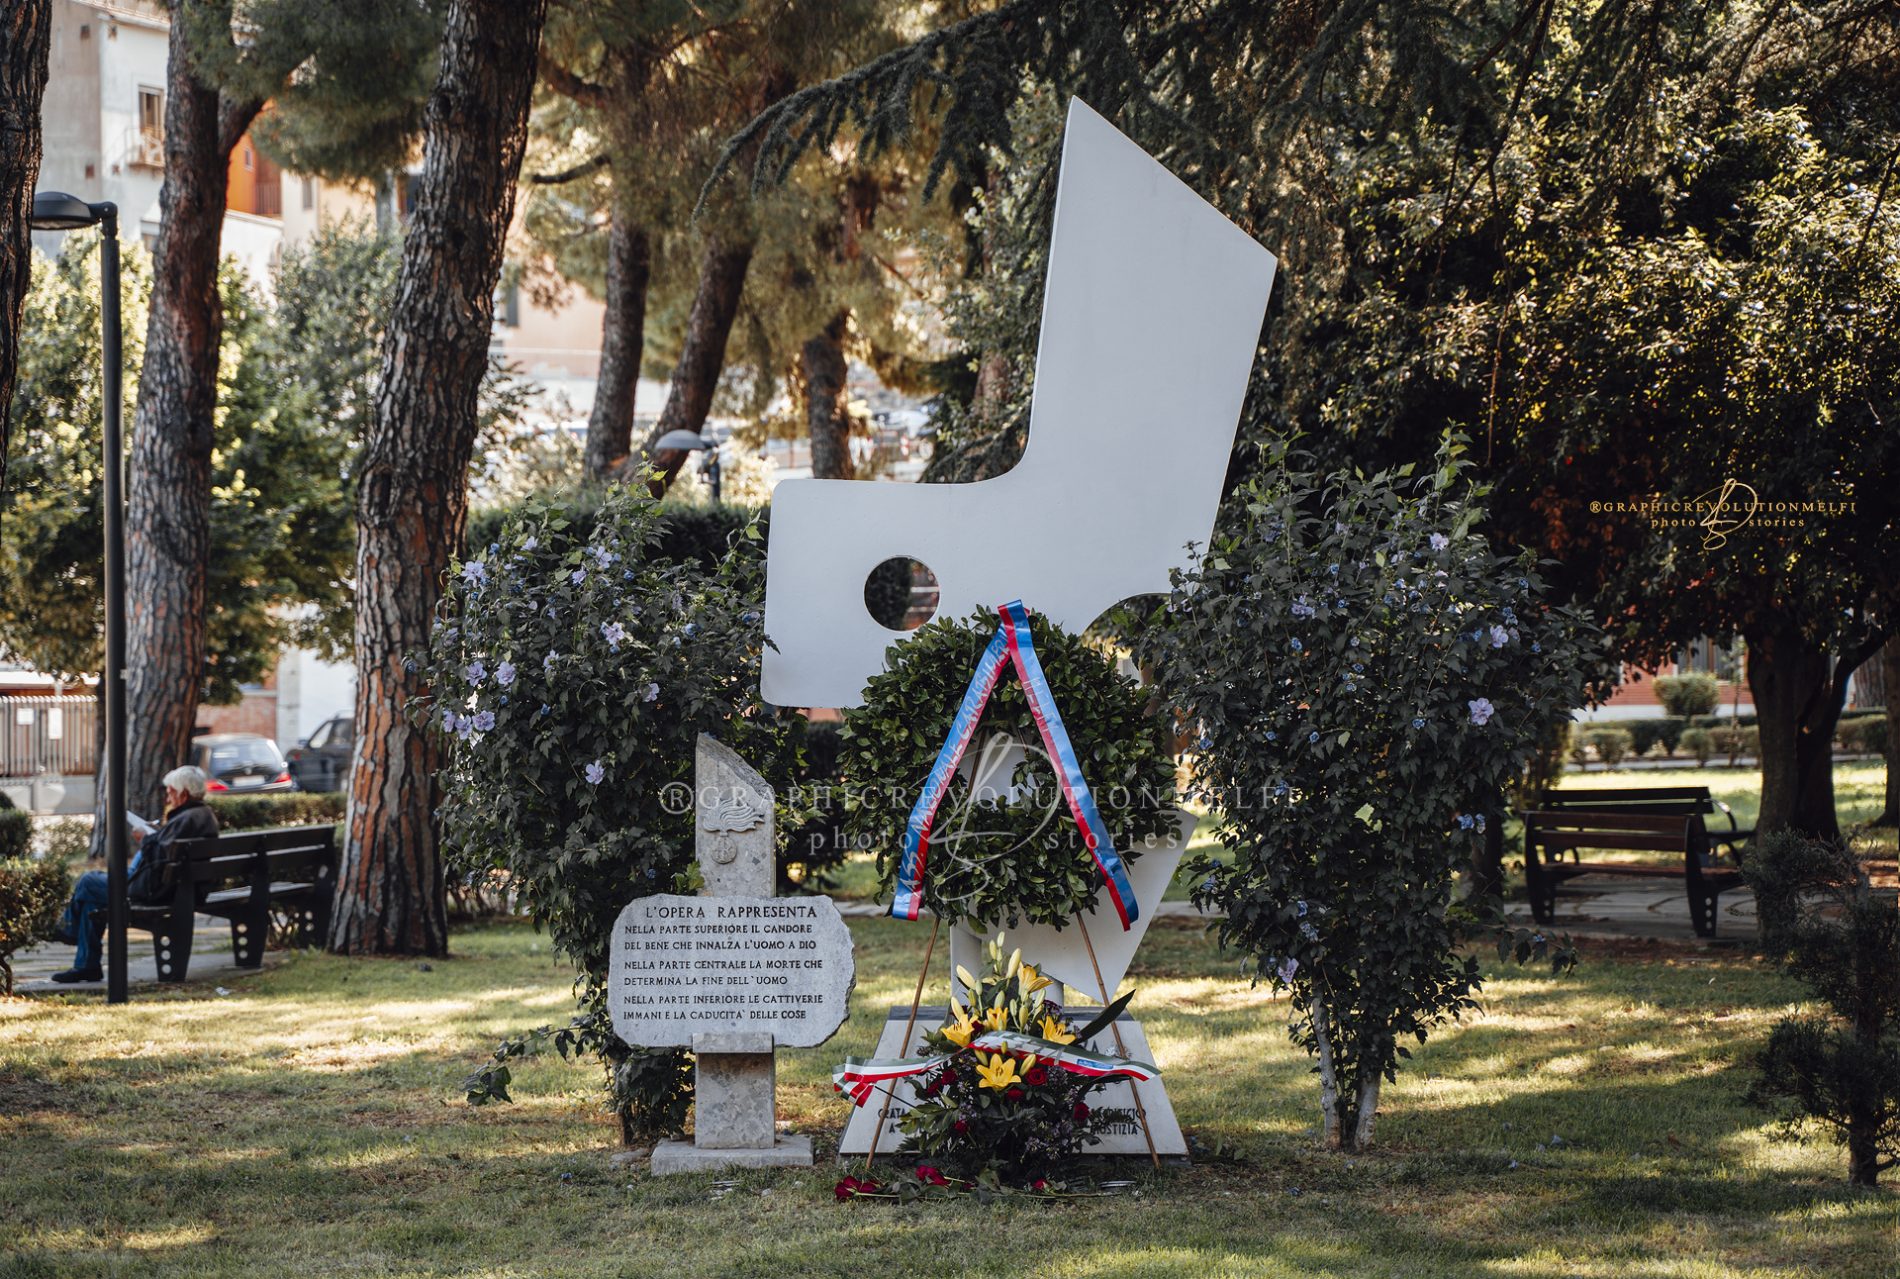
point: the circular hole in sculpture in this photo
(901, 594)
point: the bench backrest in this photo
(1640, 799)
(1562, 831)
(304, 853)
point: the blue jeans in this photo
(89, 895)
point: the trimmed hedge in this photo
(1700, 743)
(1687, 695)
(1612, 744)
(287, 808)
(32, 894)
(16, 833)
(1863, 733)
(699, 533)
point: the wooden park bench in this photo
(243, 877)
(1669, 819)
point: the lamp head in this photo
(57, 211)
(680, 441)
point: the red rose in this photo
(1015, 1094)
(930, 1176)
(846, 1188)
(1081, 1110)
(961, 1126)
(1036, 1077)
(1039, 1184)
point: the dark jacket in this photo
(149, 881)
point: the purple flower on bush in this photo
(1499, 637)
(1418, 722)
(614, 633)
(449, 721)
(530, 542)
(652, 694)
(578, 576)
(1301, 608)
(1297, 646)
(1286, 968)
(1481, 710)
(505, 674)
(474, 572)
(547, 662)
(483, 721)
(596, 773)
(475, 672)
(1440, 541)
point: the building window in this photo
(149, 150)
(247, 157)
(309, 193)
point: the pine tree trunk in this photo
(722, 271)
(1890, 682)
(825, 417)
(1798, 690)
(25, 35)
(412, 498)
(622, 341)
(168, 495)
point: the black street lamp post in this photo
(57, 211)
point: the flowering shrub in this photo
(994, 860)
(1006, 1115)
(573, 674)
(1366, 674)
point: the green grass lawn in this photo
(308, 1123)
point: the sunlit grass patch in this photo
(310, 1123)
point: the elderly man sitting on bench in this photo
(186, 817)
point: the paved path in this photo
(1588, 906)
(210, 959)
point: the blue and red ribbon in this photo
(1012, 642)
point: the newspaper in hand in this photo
(138, 823)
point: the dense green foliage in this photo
(993, 858)
(1367, 675)
(294, 385)
(574, 668)
(32, 893)
(1839, 1065)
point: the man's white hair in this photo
(188, 778)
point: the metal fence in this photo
(38, 733)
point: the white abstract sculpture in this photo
(1150, 318)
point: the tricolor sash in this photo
(1013, 642)
(859, 1077)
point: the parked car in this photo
(241, 763)
(321, 761)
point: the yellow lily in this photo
(961, 1033)
(969, 982)
(1033, 981)
(996, 1018)
(998, 1073)
(1055, 1032)
(1015, 962)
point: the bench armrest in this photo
(1730, 814)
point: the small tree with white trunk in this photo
(1365, 672)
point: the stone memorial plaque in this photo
(685, 967)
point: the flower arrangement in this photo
(1005, 1099)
